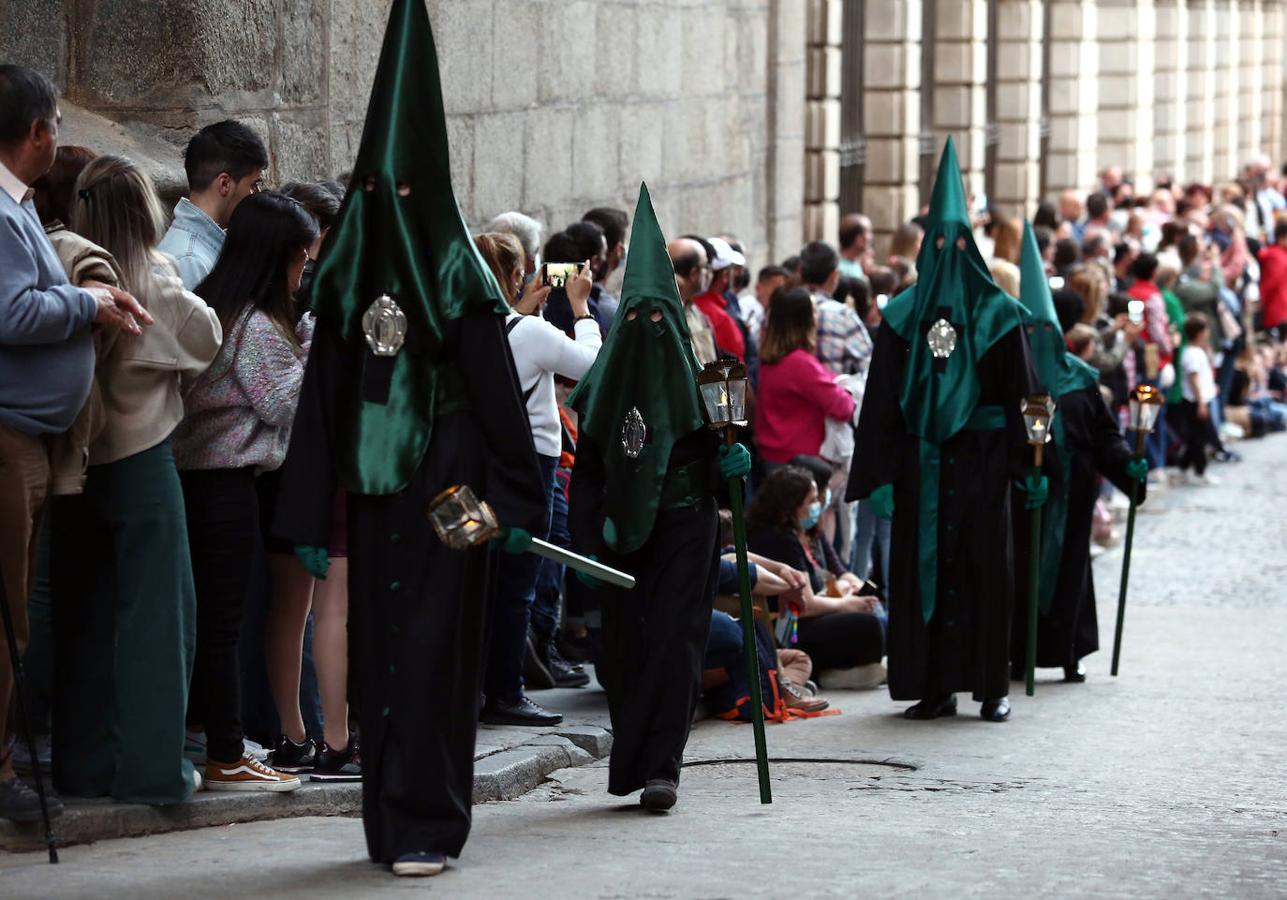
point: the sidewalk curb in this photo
(504, 775)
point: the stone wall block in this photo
(894, 20)
(822, 123)
(463, 37)
(825, 68)
(643, 135)
(658, 52)
(892, 66)
(33, 33)
(498, 163)
(303, 76)
(299, 152)
(891, 113)
(568, 47)
(595, 156)
(516, 53)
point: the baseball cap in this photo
(725, 255)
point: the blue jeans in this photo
(1156, 443)
(549, 580)
(511, 608)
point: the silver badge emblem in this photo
(941, 339)
(385, 326)
(634, 431)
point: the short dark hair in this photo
(588, 237)
(1065, 253)
(26, 96)
(317, 199)
(855, 292)
(1144, 267)
(614, 223)
(1280, 230)
(227, 146)
(852, 230)
(883, 280)
(772, 272)
(1044, 236)
(1122, 250)
(55, 190)
(1091, 246)
(1046, 216)
(1194, 324)
(1096, 205)
(818, 260)
(561, 248)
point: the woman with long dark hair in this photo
(239, 415)
(121, 577)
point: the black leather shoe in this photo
(995, 710)
(1075, 674)
(564, 673)
(518, 712)
(536, 675)
(659, 794)
(932, 708)
(19, 803)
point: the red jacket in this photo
(1273, 284)
(728, 334)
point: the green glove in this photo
(1038, 490)
(1137, 469)
(514, 540)
(588, 580)
(315, 559)
(734, 462)
(882, 502)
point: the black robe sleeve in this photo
(306, 493)
(882, 445)
(585, 498)
(1111, 451)
(514, 488)
(1012, 356)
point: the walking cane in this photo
(1146, 406)
(723, 389)
(19, 690)
(1038, 412)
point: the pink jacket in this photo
(796, 396)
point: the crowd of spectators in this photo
(151, 374)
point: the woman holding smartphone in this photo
(540, 351)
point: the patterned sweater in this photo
(239, 411)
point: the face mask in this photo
(814, 514)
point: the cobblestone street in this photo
(1166, 781)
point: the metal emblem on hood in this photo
(634, 431)
(385, 326)
(941, 338)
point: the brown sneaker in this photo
(247, 774)
(796, 698)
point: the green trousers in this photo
(124, 612)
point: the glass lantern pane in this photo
(737, 401)
(715, 399)
(460, 520)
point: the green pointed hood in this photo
(399, 233)
(645, 366)
(1058, 370)
(954, 284)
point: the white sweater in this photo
(541, 351)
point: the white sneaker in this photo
(1209, 479)
(197, 781)
(247, 774)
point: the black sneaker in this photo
(292, 757)
(20, 803)
(536, 676)
(338, 765)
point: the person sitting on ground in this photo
(837, 626)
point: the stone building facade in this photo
(761, 118)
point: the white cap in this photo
(725, 255)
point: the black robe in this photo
(654, 636)
(965, 646)
(1093, 445)
(417, 609)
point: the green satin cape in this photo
(399, 233)
(939, 399)
(646, 366)
(1060, 372)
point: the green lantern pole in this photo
(1038, 411)
(1034, 587)
(1146, 405)
(722, 385)
(750, 646)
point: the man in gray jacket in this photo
(46, 367)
